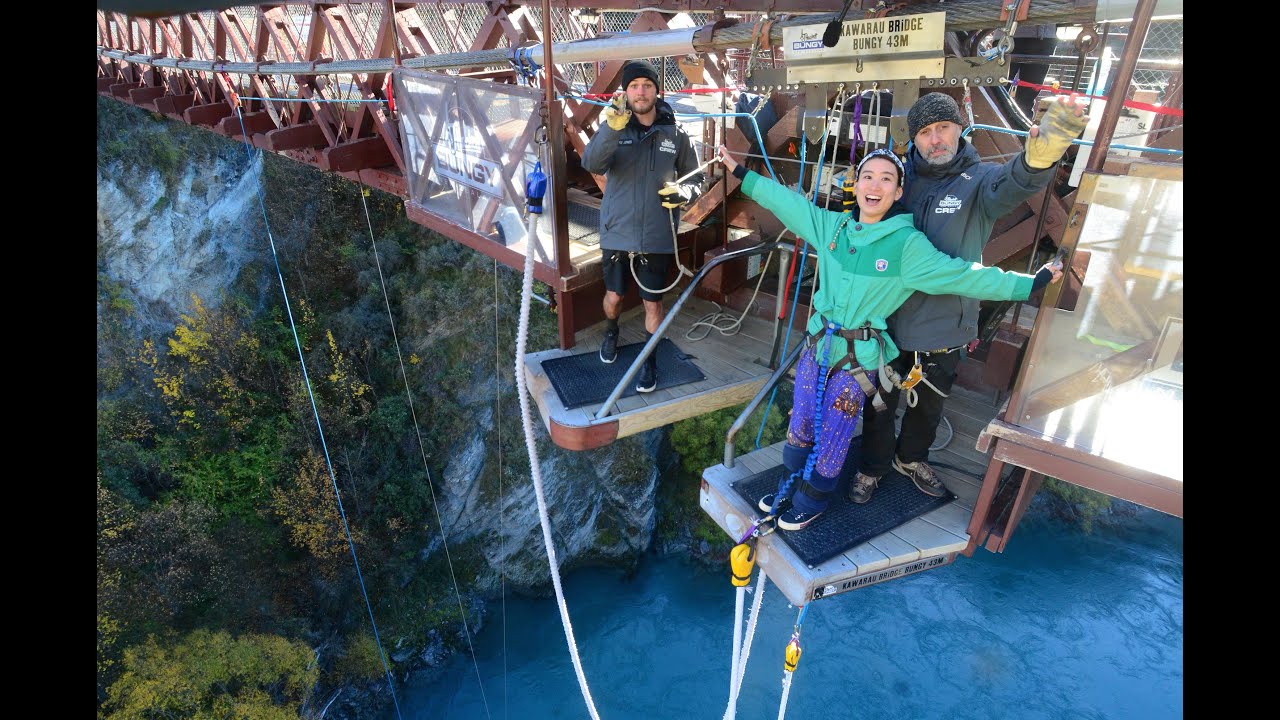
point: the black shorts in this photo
(651, 268)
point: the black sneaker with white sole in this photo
(647, 378)
(609, 347)
(766, 503)
(793, 519)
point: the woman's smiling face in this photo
(877, 189)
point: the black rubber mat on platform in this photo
(845, 524)
(583, 380)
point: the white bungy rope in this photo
(534, 467)
(735, 679)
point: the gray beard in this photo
(942, 160)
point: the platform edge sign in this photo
(859, 581)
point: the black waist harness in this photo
(850, 335)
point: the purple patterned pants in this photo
(842, 403)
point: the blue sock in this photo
(793, 457)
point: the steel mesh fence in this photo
(618, 21)
(1163, 42)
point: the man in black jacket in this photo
(641, 151)
(956, 200)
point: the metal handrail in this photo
(647, 350)
(755, 402)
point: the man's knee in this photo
(653, 314)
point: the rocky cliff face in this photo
(600, 505)
(165, 243)
(164, 237)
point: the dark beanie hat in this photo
(639, 69)
(932, 108)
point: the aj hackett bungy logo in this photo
(457, 155)
(948, 205)
(885, 35)
(808, 41)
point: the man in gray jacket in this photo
(641, 151)
(956, 200)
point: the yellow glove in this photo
(672, 196)
(1060, 125)
(617, 114)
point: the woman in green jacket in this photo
(869, 261)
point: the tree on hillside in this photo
(309, 509)
(211, 674)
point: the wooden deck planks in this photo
(929, 539)
(897, 550)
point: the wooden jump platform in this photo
(736, 367)
(929, 541)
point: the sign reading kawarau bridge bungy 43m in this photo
(893, 48)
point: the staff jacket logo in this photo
(948, 205)
(667, 146)
(882, 265)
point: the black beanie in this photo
(932, 108)
(639, 69)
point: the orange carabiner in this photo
(913, 377)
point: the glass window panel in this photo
(468, 146)
(1106, 378)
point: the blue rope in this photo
(315, 100)
(817, 424)
(754, 127)
(1086, 143)
(523, 62)
(320, 428)
(822, 160)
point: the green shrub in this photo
(1078, 503)
(360, 660)
(700, 439)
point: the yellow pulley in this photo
(742, 560)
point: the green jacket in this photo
(875, 267)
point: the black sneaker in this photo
(609, 347)
(794, 519)
(647, 379)
(922, 475)
(766, 503)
